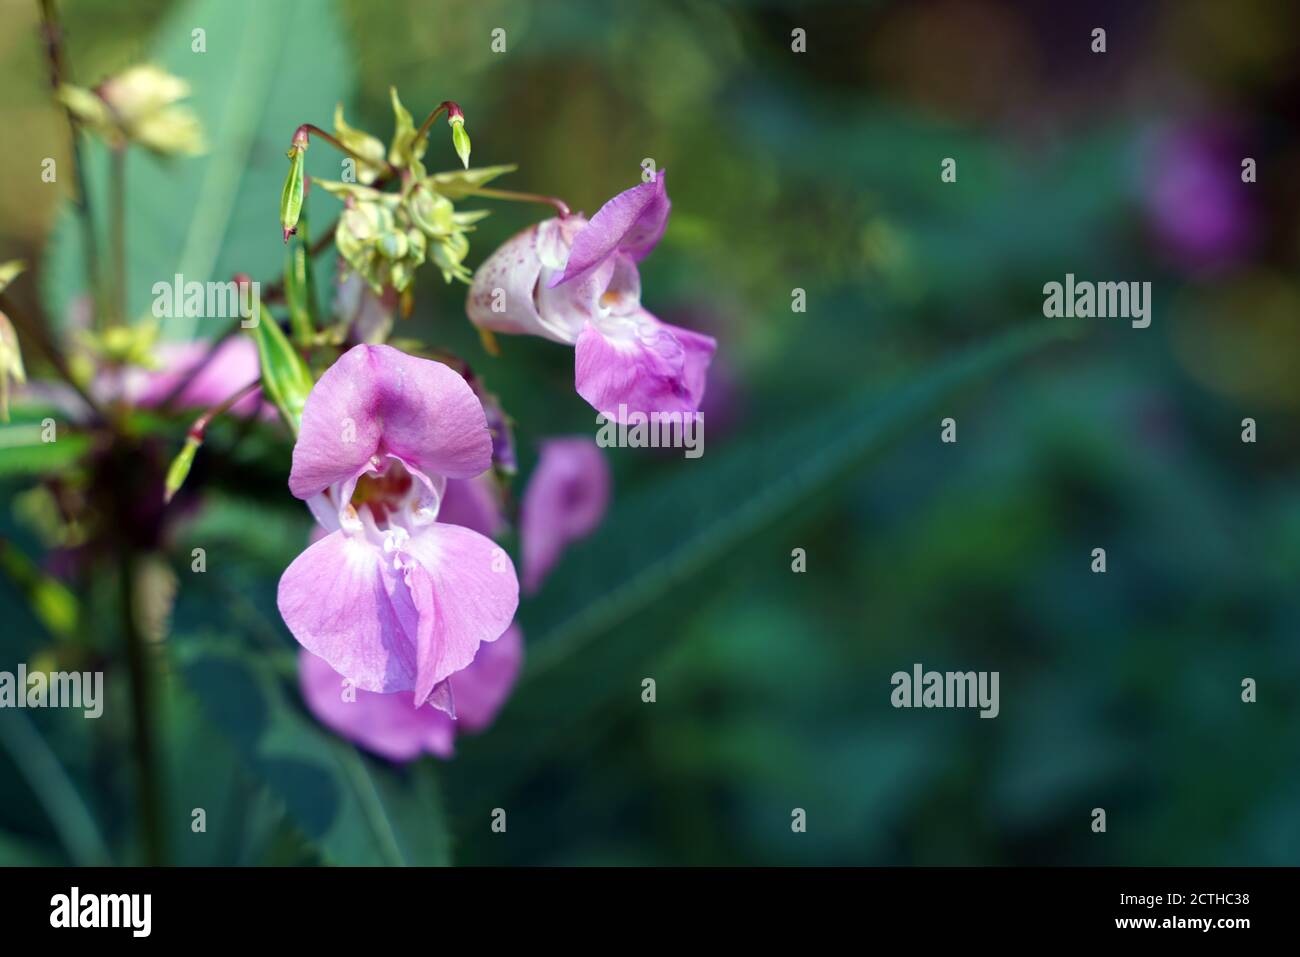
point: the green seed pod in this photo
(291, 197)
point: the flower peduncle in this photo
(300, 141)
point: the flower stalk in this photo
(179, 469)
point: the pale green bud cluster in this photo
(385, 237)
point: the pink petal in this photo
(376, 400)
(387, 724)
(474, 504)
(482, 688)
(342, 604)
(632, 222)
(565, 500)
(642, 364)
(465, 592)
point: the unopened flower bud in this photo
(459, 138)
(179, 470)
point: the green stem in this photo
(333, 141)
(198, 430)
(148, 782)
(427, 125)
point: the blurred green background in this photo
(818, 171)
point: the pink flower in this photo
(391, 598)
(565, 500)
(576, 282)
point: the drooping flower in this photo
(565, 500)
(391, 598)
(575, 281)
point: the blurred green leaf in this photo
(355, 810)
(268, 67)
(68, 813)
(655, 544)
(23, 452)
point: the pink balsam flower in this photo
(575, 281)
(391, 598)
(392, 725)
(565, 499)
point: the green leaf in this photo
(23, 452)
(457, 184)
(68, 813)
(406, 150)
(269, 67)
(355, 810)
(361, 143)
(51, 602)
(655, 544)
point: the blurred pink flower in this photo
(234, 365)
(565, 500)
(1196, 201)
